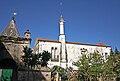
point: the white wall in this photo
(73, 51)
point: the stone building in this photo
(64, 53)
(11, 51)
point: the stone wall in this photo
(34, 75)
(15, 49)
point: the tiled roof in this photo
(101, 44)
(48, 40)
(45, 40)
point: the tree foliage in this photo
(63, 74)
(116, 51)
(45, 57)
(90, 65)
(26, 58)
(31, 59)
(116, 68)
(95, 65)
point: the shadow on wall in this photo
(4, 52)
(7, 64)
(33, 76)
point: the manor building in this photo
(64, 53)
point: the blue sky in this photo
(86, 21)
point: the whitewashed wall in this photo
(73, 51)
(47, 47)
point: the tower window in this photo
(55, 56)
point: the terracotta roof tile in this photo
(101, 44)
(47, 40)
(79, 43)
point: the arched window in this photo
(52, 52)
(55, 53)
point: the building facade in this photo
(12, 67)
(11, 51)
(64, 53)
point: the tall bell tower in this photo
(62, 40)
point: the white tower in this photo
(62, 40)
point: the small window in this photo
(55, 53)
(55, 48)
(52, 48)
(55, 56)
(102, 54)
(52, 52)
(106, 55)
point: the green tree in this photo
(84, 65)
(116, 51)
(26, 58)
(112, 65)
(44, 58)
(61, 72)
(90, 66)
(96, 66)
(97, 62)
(32, 60)
(27, 55)
(109, 65)
(116, 68)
